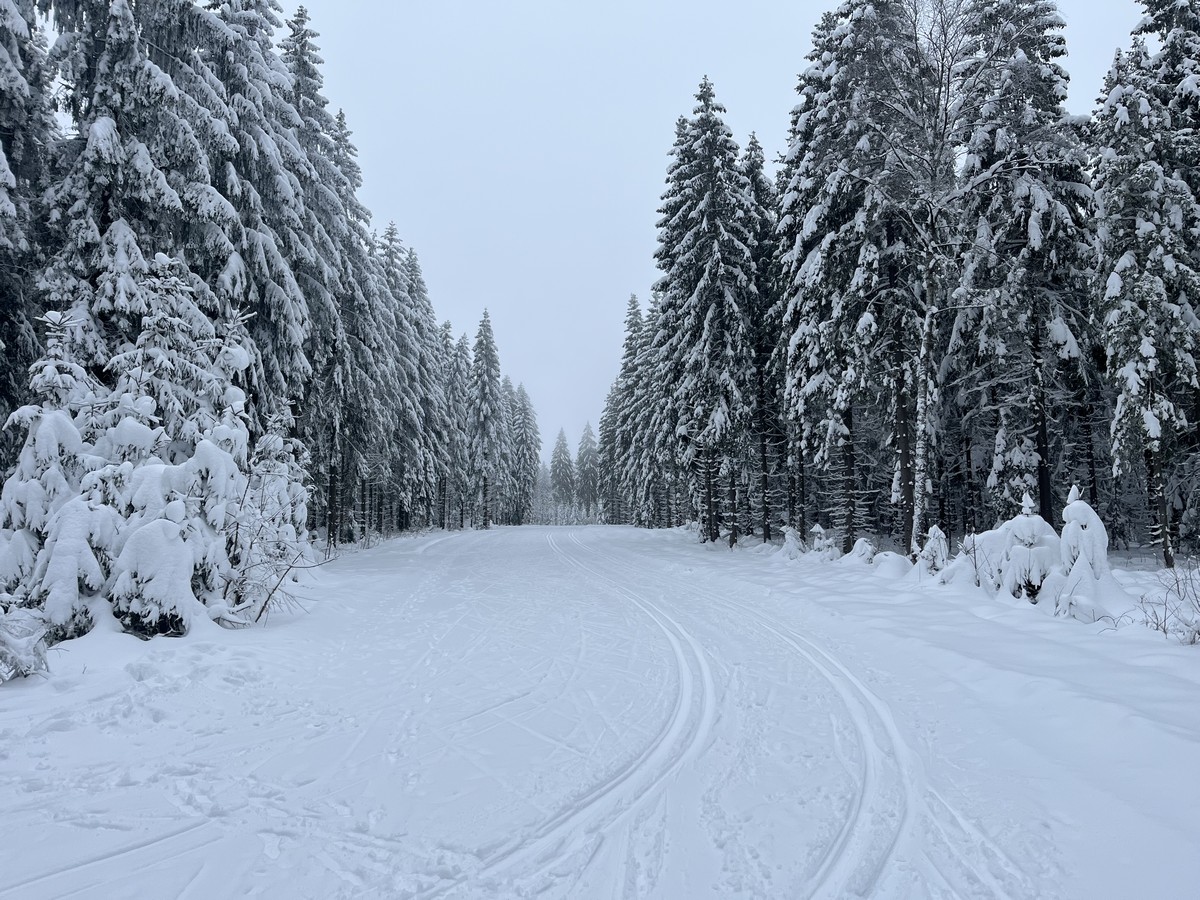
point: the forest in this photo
(950, 297)
(211, 361)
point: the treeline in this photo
(206, 349)
(951, 295)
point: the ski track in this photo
(552, 713)
(855, 863)
(580, 827)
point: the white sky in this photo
(521, 149)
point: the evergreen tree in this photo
(587, 472)
(562, 474)
(457, 380)
(261, 175)
(1149, 325)
(26, 129)
(764, 314)
(41, 565)
(708, 286)
(486, 416)
(1026, 262)
(527, 455)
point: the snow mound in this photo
(1024, 558)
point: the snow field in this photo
(607, 712)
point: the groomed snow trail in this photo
(609, 713)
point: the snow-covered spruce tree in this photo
(431, 384)
(362, 371)
(327, 276)
(846, 270)
(527, 456)
(562, 478)
(505, 489)
(1024, 287)
(399, 357)
(260, 178)
(1173, 28)
(587, 473)
(486, 417)
(457, 380)
(622, 439)
(764, 318)
(45, 559)
(611, 509)
(1147, 215)
(708, 289)
(26, 129)
(131, 137)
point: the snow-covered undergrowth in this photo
(1025, 561)
(147, 502)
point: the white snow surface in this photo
(608, 712)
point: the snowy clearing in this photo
(608, 712)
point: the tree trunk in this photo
(1041, 426)
(1158, 504)
(850, 484)
(486, 521)
(904, 456)
(766, 486)
(733, 509)
(924, 375)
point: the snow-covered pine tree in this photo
(1024, 318)
(324, 277)
(260, 177)
(624, 436)
(506, 485)
(587, 473)
(44, 559)
(845, 276)
(400, 357)
(26, 129)
(611, 508)
(764, 318)
(431, 384)
(361, 369)
(527, 456)
(456, 378)
(562, 478)
(1146, 215)
(708, 288)
(486, 417)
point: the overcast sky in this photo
(520, 146)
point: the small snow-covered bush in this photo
(1025, 558)
(824, 544)
(22, 643)
(793, 544)
(935, 554)
(1014, 558)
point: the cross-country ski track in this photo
(611, 713)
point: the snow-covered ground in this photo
(606, 712)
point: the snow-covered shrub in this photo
(1085, 580)
(268, 532)
(1025, 558)
(824, 544)
(793, 545)
(1014, 558)
(936, 552)
(863, 551)
(48, 552)
(22, 644)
